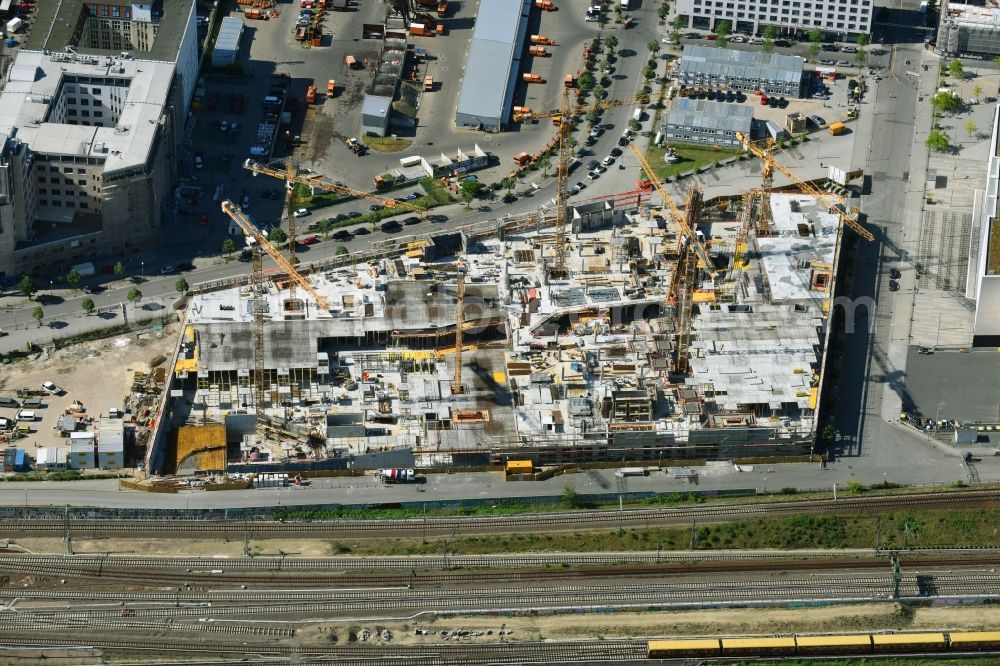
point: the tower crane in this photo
(833, 202)
(315, 180)
(289, 175)
(563, 118)
(460, 270)
(260, 303)
(696, 245)
(685, 272)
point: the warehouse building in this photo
(773, 73)
(92, 117)
(707, 122)
(493, 65)
(111, 443)
(969, 29)
(843, 18)
(227, 46)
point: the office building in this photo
(707, 122)
(727, 69)
(91, 121)
(983, 284)
(840, 18)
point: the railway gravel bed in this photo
(432, 527)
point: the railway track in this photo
(472, 654)
(540, 522)
(261, 606)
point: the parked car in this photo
(167, 269)
(894, 274)
(411, 220)
(818, 121)
(375, 207)
(199, 160)
(591, 164)
(309, 240)
(391, 226)
(301, 212)
(593, 175)
(361, 231)
(608, 161)
(596, 131)
(615, 152)
(52, 388)
(893, 285)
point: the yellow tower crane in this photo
(833, 202)
(685, 273)
(696, 245)
(287, 173)
(564, 117)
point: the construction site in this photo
(601, 332)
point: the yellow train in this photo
(967, 641)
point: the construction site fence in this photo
(269, 513)
(391, 248)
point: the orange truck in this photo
(331, 87)
(442, 9)
(421, 30)
(543, 40)
(311, 94)
(255, 14)
(569, 81)
(531, 77)
(428, 83)
(545, 5)
(350, 61)
(522, 159)
(538, 51)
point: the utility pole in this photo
(897, 574)
(69, 536)
(246, 538)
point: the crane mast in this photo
(456, 386)
(836, 204)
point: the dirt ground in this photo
(98, 374)
(181, 547)
(675, 624)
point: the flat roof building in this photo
(707, 122)
(728, 69)
(983, 283)
(91, 123)
(843, 18)
(968, 29)
(493, 64)
(375, 112)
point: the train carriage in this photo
(975, 640)
(909, 642)
(695, 647)
(860, 643)
(757, 646)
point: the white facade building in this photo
(842, 18)
(983, 283)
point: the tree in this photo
(277, 236)
(675, 36)
(814, 49)
(677, 24)
(469, 190)
(27, 286)
(977, 91)
(600, 92)
(648, 72)
(340, 251)
(946, 101)
(770, 32)
(73, 278)
(653, 46)
(181, 285)
(611, 42)
(663, 11)
(815, 37)
(544, 163)
(228, 247)
(119, 270)
(88, 305)
(862, 40)
(134, 295)
(938, 140)
(722, 29)
(860, 56)
(571, 498)
(592, 118)
(38, 314)
(956, 69)
(634, 125)
(996, 61)
(508, 183)
(585, 81)
(971, 128)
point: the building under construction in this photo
(688, 332)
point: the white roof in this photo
(35, 82)
(803, 233)
(51, 455)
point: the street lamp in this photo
(142, 269)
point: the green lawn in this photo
(692, 157)
(932, 528)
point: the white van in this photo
(637, 115)
(630, 471)
(25, 415)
